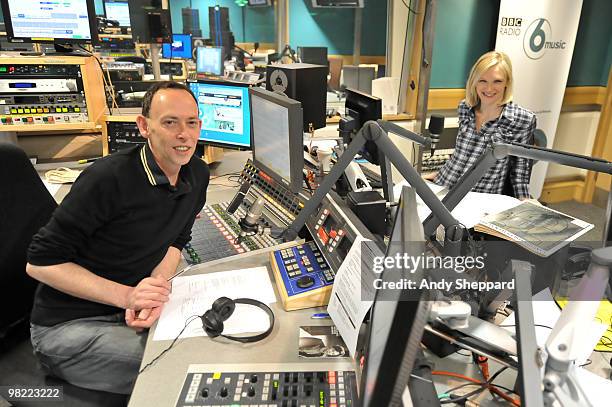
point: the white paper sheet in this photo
(193, 295)
(52, 188)
(473, 207)
(346, 308)
(597, 389)
(546, 312)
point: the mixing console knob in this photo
(204, 392)
(253, 378)
(251, 391)
(223, 392)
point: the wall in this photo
(334, 28)
(465, 29)
(249, 24)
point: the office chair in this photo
(25, 206)
(539, 140)
(335, 68)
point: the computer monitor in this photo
(278, 140)
(358, 77)
(179, 48)
(362, 107)
(338, 3)
(313, 55)
(118, 10)
(260, 3)
(398, 319)
(151, 23)
(60, 23)
(225, 113)
(209, 60)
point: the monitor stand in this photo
(68, 50)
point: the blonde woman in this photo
(487, 114)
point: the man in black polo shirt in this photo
(105, 257)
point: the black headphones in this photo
(222, 309)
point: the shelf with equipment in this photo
(50, 93)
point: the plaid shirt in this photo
(514, 124)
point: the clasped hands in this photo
(145, 302)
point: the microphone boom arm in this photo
(374, 131)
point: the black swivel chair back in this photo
(25, 206)
(539, 140)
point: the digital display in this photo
(271, 136)
(42, 20)
(209, 60)
(22, 85)
(225, 113)
(118, 11)
(180, 47)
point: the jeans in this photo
(100, 353)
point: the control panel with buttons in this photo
(302, 276)
(334, 388)
(432, 163)
(33, 94)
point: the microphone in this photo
(238, 198)
(436, 126)
(250, 223)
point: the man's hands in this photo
(145, 302)
(151, 292)
(139, 320)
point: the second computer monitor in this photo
(209, 60)
(180, 47)
(225, 113)
(118, 10)
(278, 140)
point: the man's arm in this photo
(77, 281)
(167, 267)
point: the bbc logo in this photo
(511, 21)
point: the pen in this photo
(320, 315)
(180, 272)
(88, 160)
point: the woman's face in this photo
(491, 87)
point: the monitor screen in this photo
(118, 10)
(363, 107)
(68, 21)
(397, 321)
(313, 55)
(225, 113)
(255, 3)
(180, 47)
(209, 60)
(277, 137)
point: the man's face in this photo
(172, 128)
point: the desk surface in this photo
(161, 383)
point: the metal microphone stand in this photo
(376, 132)
(499, 150)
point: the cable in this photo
(187, 322)
(62, 175)
(408, 7)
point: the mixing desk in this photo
(269, 389)
(214, 236)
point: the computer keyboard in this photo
(214, 235)
(269, 389)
